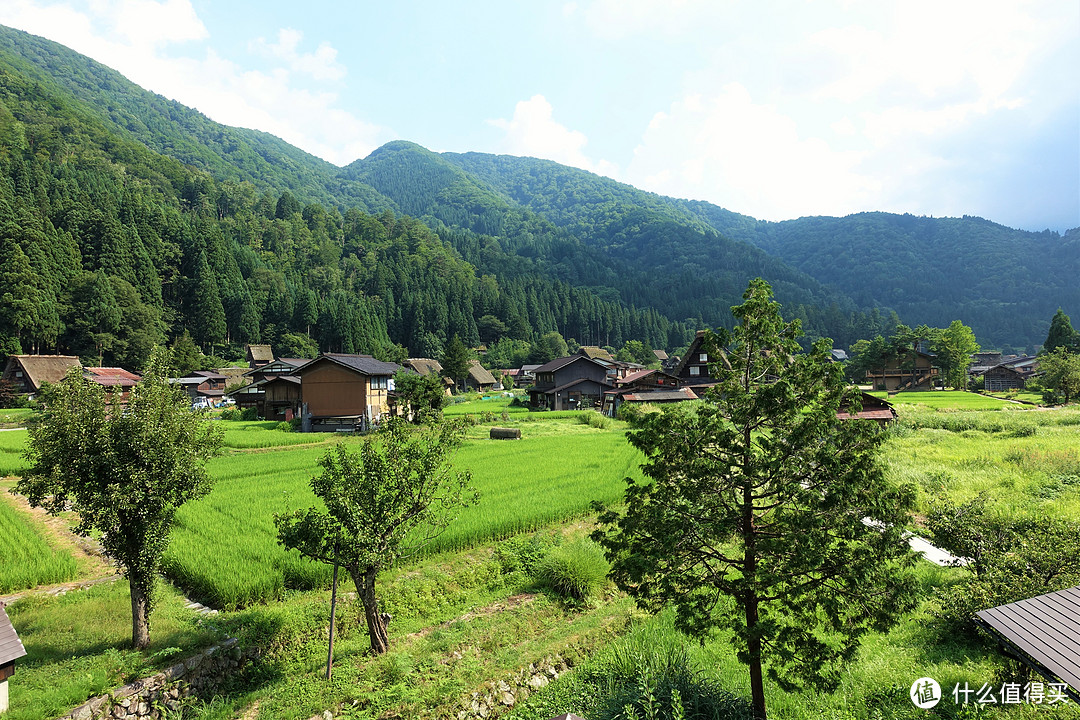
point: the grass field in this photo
(947, 400)
(224, 547)
(1028, 462)
(492, 403)
(26, 559)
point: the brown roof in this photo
(676, 395)
(660, 354)
(363, 364)
(424, 366)
(113, 376)
(595, 352)
(557, 363)
(1045, 628)
(479, 373)
(260, 353)
(43, 368)
(11, 648)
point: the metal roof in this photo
(11, 648)
(1046, 628)
(363, 364)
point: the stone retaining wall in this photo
(147, 698)
(497, 697)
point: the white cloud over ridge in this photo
(136, 37)
(533, 132)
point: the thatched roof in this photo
(424, 366)
(259, 354)
(479, 374)
(41, 368)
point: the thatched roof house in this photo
(28, 372)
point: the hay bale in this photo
(498, 433)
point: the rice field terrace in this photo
(26, 558)
(224, 547)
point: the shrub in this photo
(524, 552)
(576, 570)
(594, 419)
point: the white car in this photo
(201, 403)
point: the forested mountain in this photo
(127, 219)
(107, 247)
(1005, 283)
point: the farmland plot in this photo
(224, 546)
(26, 559)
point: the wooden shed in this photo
(11, 649)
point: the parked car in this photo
(201, 403)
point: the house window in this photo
(379, 382)
(695, 370)
(703, 357)
(18, 373)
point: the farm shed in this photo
(113, 377)
(1010, 375)
(873, 408)
(1042, 632)
(28, 372)
(11, 649)
(342, 391)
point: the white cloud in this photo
(159, 45)
(534, 132)
(748, 157)
(320, 65)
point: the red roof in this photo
(112, 376)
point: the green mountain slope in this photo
(1005, 283)
(172, 129)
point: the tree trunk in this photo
(140, 616)
(753, 647)
(376, 622)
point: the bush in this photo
(594, 419)
(576, 570)
(524, 552)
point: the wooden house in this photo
(1010, 375)
(693, 369)
(11, 649)
(428, 366)
(26, 373)
(344, 392)
(643, 386)
(253, 395)
(478, 378)
(113, 377)
(570, 383)
(899, 374)
(208, 384)
(258, 355)
(282, 397)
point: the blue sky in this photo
(773, 109)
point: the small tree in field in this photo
(384, 503)
(754, 517)
(125, 471)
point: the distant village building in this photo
(898, 374)
(873, 408)
(208, 384)
(693, 370)
(570, 383)
(259, 355)
(253, 394)
(478, 378)
(1011, 374)
(113, 377)
(345, 392)
(428, 366)
(27, 372)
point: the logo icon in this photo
(925, 693)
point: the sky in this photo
(773, 109)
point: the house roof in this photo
(363, 364)
(529, 368)
(641, 374)
(11, 648)
(112, 376)
(281, 364)
(1046, 628)
(208, 374)
(479, 373)
(290, 379)
(572, 383)
(595, 352)
(564, 361)
(44, 368)
(661, 355)
(424, 366)
(260, 353)
(674, 395)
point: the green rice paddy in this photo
(26, 559)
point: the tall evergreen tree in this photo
(1061, 334)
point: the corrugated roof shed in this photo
(1046, 628)
(11, 648)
